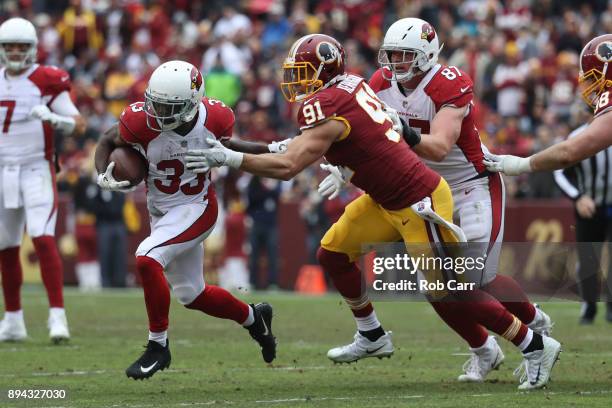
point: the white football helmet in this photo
(18, 30)
(418, 44)
(173, 95)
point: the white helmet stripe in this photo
(297, 44)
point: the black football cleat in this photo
(261, 331)
(155, 358)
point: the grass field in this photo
(214, 362)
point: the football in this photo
(129, 165)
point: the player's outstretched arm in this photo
(244, 146)
(303, 150)
(596, 137)
(445, 130)
(593, 139)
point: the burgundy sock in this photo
(348, 279)
(156, 292)
(511, 295)
(51, 269)
(218, 302)
(12, 278)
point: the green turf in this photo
(214, 362)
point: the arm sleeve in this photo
(63, 105)
(566, 180)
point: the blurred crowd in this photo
(523, 56)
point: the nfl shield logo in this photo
(184, 143)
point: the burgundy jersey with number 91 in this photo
(383, 165)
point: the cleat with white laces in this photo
(361, 347)
(484, 359)
(58, 326)
(12, 328)
(542, 324)
(535, 370)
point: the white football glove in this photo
(331, 185)
(394, 116)
(508, 164)
(279, 147)
(65, 124)
(217, 155)
(107, 181)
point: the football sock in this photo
(369, 322)
(156, 292)
(511, 295)
(51, 269)
(159, 337)
(218, 302)
(250, 319)
(490, 313)
(12, 278)
(348, 280)
(535, 343)
(373, 334)
(458, 318)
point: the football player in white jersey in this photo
(432, 103)
(34, 101)
(175, 117)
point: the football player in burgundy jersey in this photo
(34, 101)
(596, 79)
(342, 120)
(434, 103)
(174, 118)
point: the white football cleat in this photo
(58, 325)
(484, 359)
(12, 328)
(536, 367)
(542, 324)
(362, 348)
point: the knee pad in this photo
(186, 294)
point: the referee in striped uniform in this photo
(589, 185)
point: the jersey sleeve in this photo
(220, 118)
(604, 102)
(450, 86)
(316, 110)
(51, 81)
(133, 125)
(378, 82)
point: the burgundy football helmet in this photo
(595, 71)
(314, 61)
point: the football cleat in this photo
(535, 370)
(483, 360)
(542, 324)
(58, 327)
(156, 357)
(12, 329)
(361, 347)
(261, 330)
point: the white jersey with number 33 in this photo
(169, 182)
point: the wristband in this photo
(411, 136)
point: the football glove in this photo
(279, 147)
(331, 185)
(508, 164)
(64, 124)
(217, 155)
(107, 181)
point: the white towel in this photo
(424, 210)
(10, 186)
